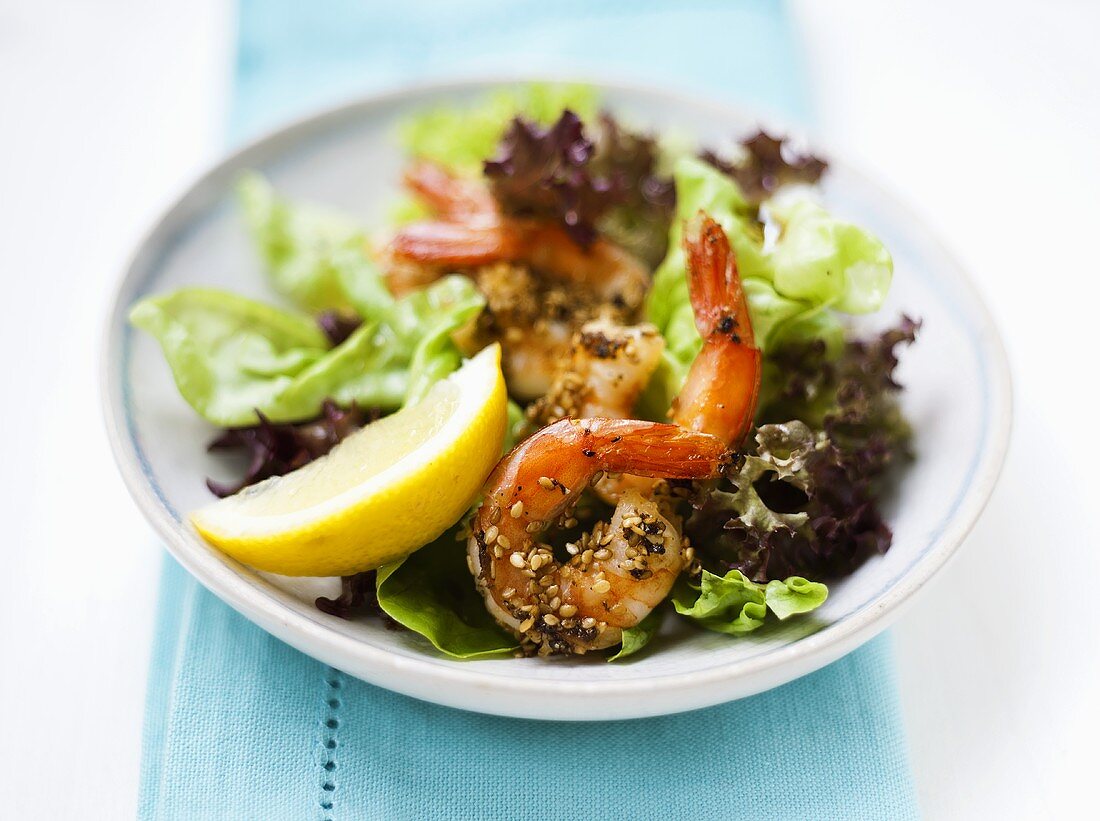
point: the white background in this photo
(985, 117)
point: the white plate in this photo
(958, 397)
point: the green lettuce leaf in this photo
(795, 285)
(793, 596)
(826, 261)
(734, 605)
(517, 426)
(431, 593)
(638, 636)
(301, 245)
(426, 319)
(463, 137)
(231, 356)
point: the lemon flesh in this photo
(383, 492)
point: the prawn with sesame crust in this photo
(617, 573)
(540, 285)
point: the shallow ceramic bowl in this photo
(958, 398)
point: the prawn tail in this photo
(714, 282)
(722, 388)
(446, 193)
(447, 243)
(653, 449)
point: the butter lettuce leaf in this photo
(431, 593)
(517, 426)
(733, 604)
(301, 245)
(793, 596)
(231, 356)
(637, 637)
(426, 319)
(826, 261)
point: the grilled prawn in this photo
(539, 284)
(621, 570)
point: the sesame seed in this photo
(494, 517)
(498, 551)
(533, 527)
(508, 592)
(602, 554)
(552, 590)
(491, 534)
(527, 625)
(572, 549)
(627, 564)
(517, 510)
(555, 602)
(568, 610)
(570, 522)
(550, 620)
(586, 557)
(504, 541)
(546, 482)
(631, 521)
(602, 586)
(588, 623)
(516, 559)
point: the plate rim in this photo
(457, 684)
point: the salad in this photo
(585, 379)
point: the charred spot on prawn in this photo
(482, 549)
(600, 345)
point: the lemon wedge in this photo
(386, 490)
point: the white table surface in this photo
(986, 118)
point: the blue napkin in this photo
(239, 725)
